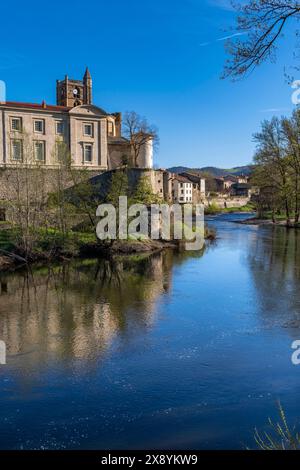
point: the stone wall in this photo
(45, 178)
(102, 182)
(228, 202)
(115, 153)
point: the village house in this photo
(229, 181)
(241, 190)
(230, 185)
(188, 188)
(182, 190)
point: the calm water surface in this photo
(169, 351)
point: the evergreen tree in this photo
(144, 194)
(118, 187)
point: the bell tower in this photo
(87, 87)
(71, 93)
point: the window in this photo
(16, 124)
(87, 153)
(88, 129)
(59, 127)
(16, 150)
(39, 151)
(110, 128)
(39, 126)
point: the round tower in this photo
(145, 155)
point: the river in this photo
(180, 351)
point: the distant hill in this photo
(217, 172)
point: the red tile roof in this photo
(49, 107)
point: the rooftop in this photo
(43, 105)
(182, 179)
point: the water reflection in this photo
(274, 260)
(166, 351)
(76, 309)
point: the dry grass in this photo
(280, 437)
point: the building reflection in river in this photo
(75, 310)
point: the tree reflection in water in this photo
(75, 310)
(274, 262)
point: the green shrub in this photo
(213, 208)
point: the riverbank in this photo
(267, 221)
(52, 247)
(215, 210)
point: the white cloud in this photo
(273, 110)
(203, 44)
(231, 36)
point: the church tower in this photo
(87, 87)
(73, 93)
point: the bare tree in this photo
(260, 23)
(139, 133)
(72, 195)
(39, 205)
(271, 156)
(291, 135)
(61, 211)
(26, 197)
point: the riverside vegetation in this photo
(214, 209)
(277, 170)
(280, 435)
(62, 224)
(276, 173)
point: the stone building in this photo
(198, 185)
(182, 190)
(42, 132)
(170, 187)
(160, 181)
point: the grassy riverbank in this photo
(51, 245)
(213, 209)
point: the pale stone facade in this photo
(49, 126)
(35, 132)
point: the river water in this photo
(180, 351)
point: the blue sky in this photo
(161, 58)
